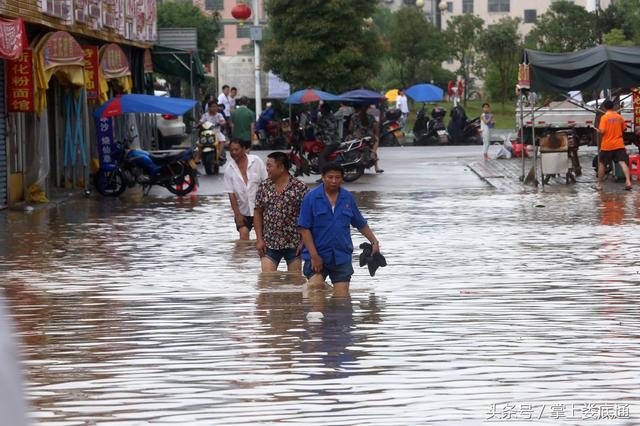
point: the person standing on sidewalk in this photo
(486, 124)
(403, 105)
(612, 127)
(326, 215)
(243, 123)
(276, 213)
(242, 177)
(224, 99)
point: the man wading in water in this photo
(326, 215)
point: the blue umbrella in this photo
(123, 104)
(364, 96)
(425, 93)
(311, 95)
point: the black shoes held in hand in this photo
(374, 261)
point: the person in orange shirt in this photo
(612, 127)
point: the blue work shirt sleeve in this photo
(357, 221)
(306, 213)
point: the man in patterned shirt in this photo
(276, 214)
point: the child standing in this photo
(486, 124)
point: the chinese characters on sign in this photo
(12, 38)
(20, 83)
(91, 71)
(636, 109)
(587, 411)
(62, 49)
(106, 147)
(114, 62)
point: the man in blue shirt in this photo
(326, 215)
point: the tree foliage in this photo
(322, 43)
(416, 46)
(462, 35)
(502, 50)
(616, 37)
(623, 15)
(565, 27)
(186, 15)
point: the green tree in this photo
(502, 50)
(462, 35)
(616, 37)
(623, 15)
(416, 46)
(566, 27)
(185, 15)
(322, 43)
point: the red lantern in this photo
(241, 12)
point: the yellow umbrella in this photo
(391, 95)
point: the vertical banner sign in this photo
(91, 72)
(636, 109)
(105, 141)
(20, 83)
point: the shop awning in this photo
(13, 38)
(175, 62)
(601, 67)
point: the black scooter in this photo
(463, 131)
(430, 131)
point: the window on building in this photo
(450, 6)
(467, 6)
(214, 4)
(530, 16)
(243, 31)
(499, 6)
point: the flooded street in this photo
(146, 311)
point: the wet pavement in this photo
(146, 311)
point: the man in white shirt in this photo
(225, 99)
(403, 105)
(242, 177)
(233, 93)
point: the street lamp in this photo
(442, 7)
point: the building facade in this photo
(68, 57)
(491, 11)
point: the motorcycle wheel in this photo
(353, 173)
(184, 184)
(110, 183)
(390, 140)
(208, 160)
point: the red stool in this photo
(634, 159)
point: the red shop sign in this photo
(91, 81)
(13, 38)
(20, 83)
(636, 108)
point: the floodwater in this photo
(146, 311)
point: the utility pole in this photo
(257, 37)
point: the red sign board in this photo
(636, 109)
(20, 83)
(62, 49)
(114, 62)
(13, 38)
(91, 81)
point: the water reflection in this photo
(147, 311)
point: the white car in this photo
(171, 128)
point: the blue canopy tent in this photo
(363, 96)
(312, 95)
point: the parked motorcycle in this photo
(176, 172)
(463, 131)
(390, 130)
(209, 146)
(430, 131)
(354, 155)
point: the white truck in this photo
(567, 115)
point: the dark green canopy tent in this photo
(175, 62)
(601, 67)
